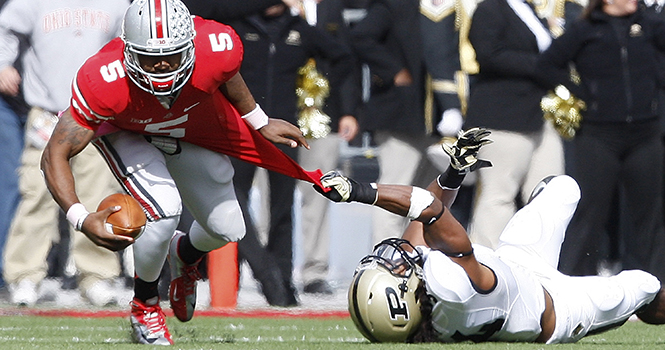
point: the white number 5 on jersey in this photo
(166, 128)
(221, 42)
(112, 71)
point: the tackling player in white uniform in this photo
(434, 285)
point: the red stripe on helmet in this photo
(160, 18)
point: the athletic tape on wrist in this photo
(257, 118)
(420, 200)
(76, 214)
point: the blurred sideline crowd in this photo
(376, 86)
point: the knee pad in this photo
(561, 189)
(524, 228)
(224, 224)
(630, 289)
(645, 285)
(607, 296)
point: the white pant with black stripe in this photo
(199, 178)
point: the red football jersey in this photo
(105, 99)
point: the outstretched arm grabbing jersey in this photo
(432, 223)
(402, 293)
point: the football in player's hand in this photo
(129, 221)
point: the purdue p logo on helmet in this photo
(382, 299)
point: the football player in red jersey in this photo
(165, 105)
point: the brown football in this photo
(129, 221)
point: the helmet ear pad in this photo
(158, 28)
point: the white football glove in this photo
(463, 153)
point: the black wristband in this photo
(363, 192)
(434, 218)
(459, 255)
(450, 179)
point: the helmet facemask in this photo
(382, 299)
(158, 28)
(395, 258)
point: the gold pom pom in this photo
(563, 110)
(312, 90)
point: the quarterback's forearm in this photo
(68, 139)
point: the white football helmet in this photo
(158, 28)
(382, 299)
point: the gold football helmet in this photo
(382, 299)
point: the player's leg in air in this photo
(534, 235)
(204, 179)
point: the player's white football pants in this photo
(202, 178)
(533, 239)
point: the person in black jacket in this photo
(276, 45)
(224, 11)
(614, 49)
(389, 40)
(655, 8)
(505, 95)
(341, 106)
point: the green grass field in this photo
(54, 333)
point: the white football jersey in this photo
(510, 311)
(524, 264)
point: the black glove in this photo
(463, 153)
(344, 189)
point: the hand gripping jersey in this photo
(510, 311)
(104, 99)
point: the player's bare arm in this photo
(432, 223)
(68, 139)
(276, 130)
(237, 92)
(445, 195)
(445, 234)
(463, 158)
(414, 231)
